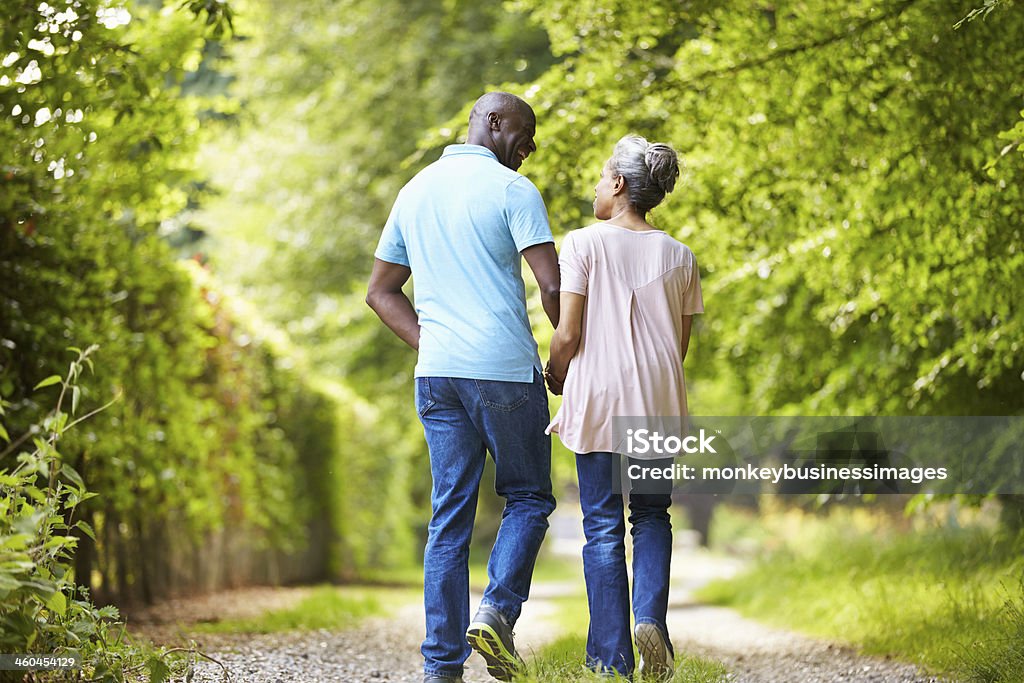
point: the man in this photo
(459, 228)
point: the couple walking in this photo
(621, 299)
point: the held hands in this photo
(554, 383)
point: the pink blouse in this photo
(638, 285)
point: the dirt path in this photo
(387, 649)
(755, 653)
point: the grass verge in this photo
(562, 662)
(550, 568)
(327, 607)
(950, 600)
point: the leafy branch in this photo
(979, 12)
(781, 54)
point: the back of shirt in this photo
(629, 363)
(460, 226)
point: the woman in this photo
(628, 295)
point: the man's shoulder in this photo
(517, 181)
(485, 173)
(520, 191)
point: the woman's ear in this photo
(618, 184)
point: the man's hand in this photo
(385, 296)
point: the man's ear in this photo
(494, 120)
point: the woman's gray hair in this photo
(650, 170)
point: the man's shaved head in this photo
(503, 103)
(505, 124)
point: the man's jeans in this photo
(463, 419)
(610, 640)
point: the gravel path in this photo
(387, 649)
(382, 649)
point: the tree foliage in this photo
(860, 254)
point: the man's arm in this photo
(565, 340)
(685, 343)
(385, 296)
(543, 261)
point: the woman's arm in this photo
(566, 339)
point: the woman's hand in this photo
(554, 384)
(565, 341)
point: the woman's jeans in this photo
(610, 639)
(463, 419)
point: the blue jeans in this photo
(463, 419)
(610, 639)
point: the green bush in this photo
(42, 610)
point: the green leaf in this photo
(76, 393)
(8, 584)
(58, 603)
(3, 434)
(49, 381)
(15, 541)
(16, 566)
(35, 494)
(158, 670)
(72, 475)
(108, 612)
(59, 541)
(86, 528)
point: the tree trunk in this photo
(699, 508)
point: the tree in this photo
(858, 256)
(102, 145)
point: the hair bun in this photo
(663, 165)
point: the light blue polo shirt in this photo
(460, 225)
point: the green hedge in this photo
(224, 461)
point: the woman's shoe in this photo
(656, 659)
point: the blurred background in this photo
(198, 187)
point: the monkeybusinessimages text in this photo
(647, 443)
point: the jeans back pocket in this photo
(505, 396)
